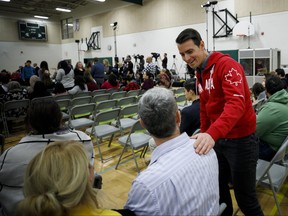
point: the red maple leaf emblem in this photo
(233, 77)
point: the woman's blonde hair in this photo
(56, 180)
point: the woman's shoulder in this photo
(85, 210)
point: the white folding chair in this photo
(102, 127)
(79, 116)
(136, 140)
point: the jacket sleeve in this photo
(231, 77)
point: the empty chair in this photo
(101, 97)
(118, 95)
(136, 140)
(181, 100)
(126, 101)
(102, 127)
(125, 116)
(97, 92)
(133, 93)
(14, 110)
(82, 94)
(62, 96)
(64, 105)
(273, 174)
(179, 91)
(79, 116)
(39, 99)
(112, 90)
(106, 105)
(80, 101)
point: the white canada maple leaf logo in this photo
(233, 77)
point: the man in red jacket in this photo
(227, 120)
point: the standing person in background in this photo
(65, 75)
(43, 67)
(190, 115)
(36, 68)
(281, 73)
(164, 61)
(27, 72)
(97, 72)
(228, 121)
(90, 82)
(79, 69)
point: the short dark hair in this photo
(188, 34)
(191, 84)
(257, 88)
(280, 72)
(273, 85)
(44, 117)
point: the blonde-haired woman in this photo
(58, 181)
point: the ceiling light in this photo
(41, 17)
(63, 10)
(100, 0)
(5, 0)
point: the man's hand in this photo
(203, 144)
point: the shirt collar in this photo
(169, 146)
(204, 63)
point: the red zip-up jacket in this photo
(225, 107)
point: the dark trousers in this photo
(237, 160)
(265, 151)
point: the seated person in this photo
(40, 90)
(272, 119)
(59, 89)
(44, 123)
(190, 115)
(111, 83)
(177, 181)
(90, 82)
(58, 181)
(131, 84)
(148, 81)
(80, 86)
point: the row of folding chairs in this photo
(114, 93)
(108, 123)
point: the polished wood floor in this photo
(116, 183)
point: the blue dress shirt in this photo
(177, 182)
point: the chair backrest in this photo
(104, 105)
(80, 101)
(112, 90)
(133, 93)
(264, 167)
(82, 110)
(180, 98)
(281, 152)
(129, 111)
(41, 99)
(61, 97)
(179, 91)
(118, 95)
(137, 127)
(107, 116)
(82, 94)
(100, 97)
(126, 101)
(64, 104)
(97, 92)
(14, 104)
